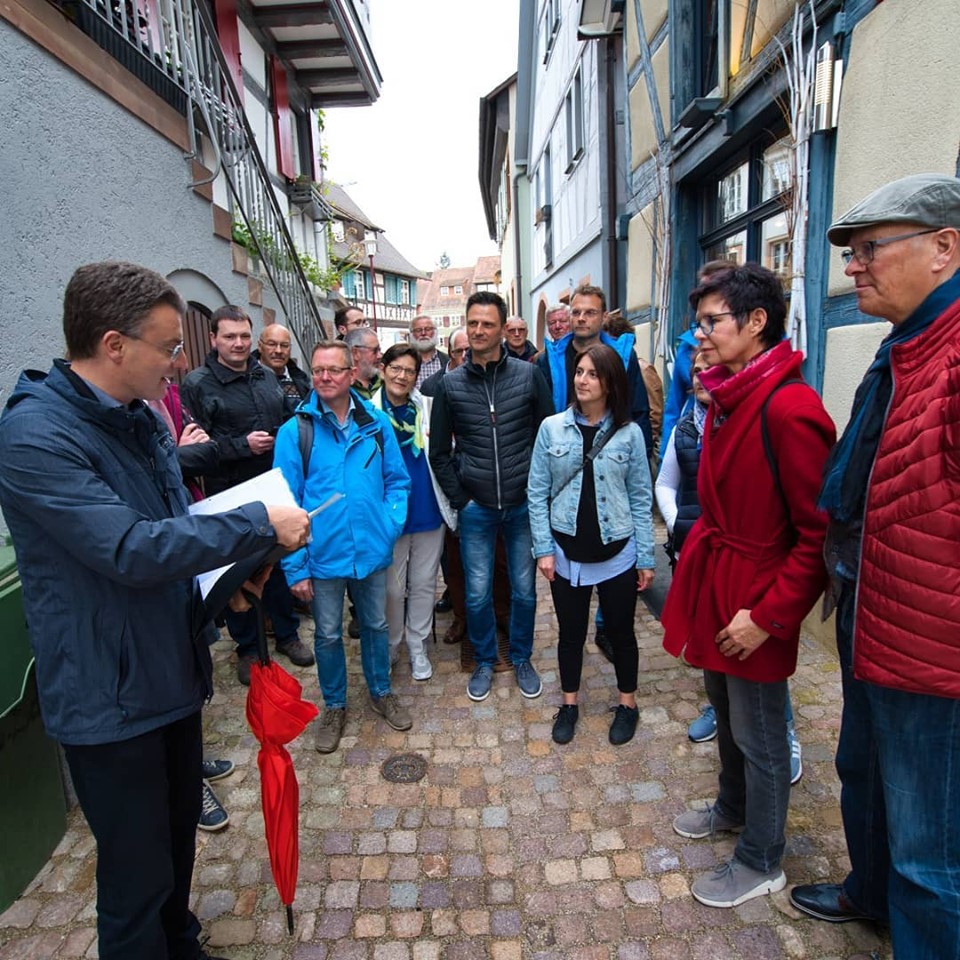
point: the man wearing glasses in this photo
(354, 457)
(347, 319)
(365, 347)
(423, 333)
(240, 404)
(108, 554)
(273, 351)
(892, 550)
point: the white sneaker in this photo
(420, 667)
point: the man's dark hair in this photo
(612, 375)
(487, 298)
(228, 312)
(111, 296)
(402, 350)
(617, 325)
(340, 317)
(588, 290)
(745, 288)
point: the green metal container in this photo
(32, 805)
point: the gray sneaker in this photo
(478, 687)
(388, 706)
(528, 680)
(733, 883)
(697, 824)
(330, 729)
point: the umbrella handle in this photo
(290, 918)
(257, 605)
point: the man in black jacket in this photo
(494, 405)
(240, 404)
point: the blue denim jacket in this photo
(621, 477)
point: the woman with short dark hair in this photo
(590, 503)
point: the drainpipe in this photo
(518, 259)
(609, 116)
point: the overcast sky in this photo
(413, 155)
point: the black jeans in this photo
(141, 798)
(618, 604)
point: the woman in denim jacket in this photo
(592, 524)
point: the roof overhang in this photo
(326, 47)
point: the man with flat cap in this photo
(892, 490)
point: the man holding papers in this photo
(92, 492)
(340, 444)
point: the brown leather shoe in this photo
(455, 632)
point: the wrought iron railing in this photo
(172, 46)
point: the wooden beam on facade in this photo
(301, 49)
(292, 15)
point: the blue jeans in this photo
(861, 788)
(754, 764)
(277, 605)
(370, 598)
(478, 538)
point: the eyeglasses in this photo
(458, 352)
(866, 251)
(173, 353)
(591, 314)
(374, 350)
(398, 370)
(423, 331)
(708, 321)
(275, 344)
(333, 371)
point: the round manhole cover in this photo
(404, 768)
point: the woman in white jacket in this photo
(412, 579)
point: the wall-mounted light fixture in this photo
(826, 88)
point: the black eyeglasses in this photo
(864, 252)
(708, 321)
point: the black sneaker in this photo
(213, 815)
(603, 644)
(444, 604)
(624, 724)
(217, 769)
(565, 722)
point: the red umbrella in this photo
(277, 714)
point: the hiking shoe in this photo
(704, 728)
(244, 663)
(733, 883)
(528, 680)
(796, 754)
(455, 632)
(329, 729)
(420, 667)
(478, 688)
(697, 824)
(603, 644)
(213, 816)
(624, 724)
(565, 722)
(388, 706)
(217, 769)
(297, 652)
(353, 628)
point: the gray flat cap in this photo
(929, 199)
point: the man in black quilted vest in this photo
(493, 405)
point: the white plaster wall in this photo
(900, 103)
(847, 354)
(640, 251)
(251, 59)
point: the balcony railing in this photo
(172, 46)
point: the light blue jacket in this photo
(354, 537)
(621, 478)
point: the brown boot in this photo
(455, 632)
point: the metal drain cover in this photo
(404, 768)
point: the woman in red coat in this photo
(751, 567)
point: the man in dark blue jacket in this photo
(92, 492)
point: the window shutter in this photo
(225, 12)
(282, 120)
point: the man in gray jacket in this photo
(108, 554)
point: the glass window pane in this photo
(732, 195)
(730, 248)
(775, 246)
(776, 169)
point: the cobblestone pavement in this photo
(511, 847)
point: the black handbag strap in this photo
(589, 457)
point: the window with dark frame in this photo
(573, 108)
